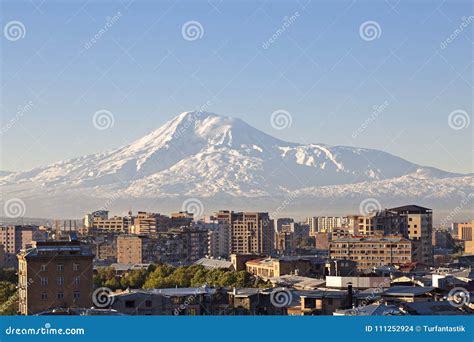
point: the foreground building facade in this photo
(54, 274)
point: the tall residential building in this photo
(15, 238)
(419, 230)
(285, 243)
(251, 232)
(183, 215)
(381, 222)
(370, 252)
(173, 246)
(106, 249)
(100, 222)
(147, 223)
(465, 232)
(153, 223)
(54, 274)
(134, 249)
(219, 240)
(89, 218)
(325, 224)
(313, 226)
(283, 222)
(2, 256)
(117, 224)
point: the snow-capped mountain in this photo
(224, 161)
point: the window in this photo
(77, 295)
(60, 280)
(43, 268)
(44, 281)
(77, 280)
(75, 267)
(129, 303)
(44, 296)
(59, 267)
(60, 295)
(148, 303)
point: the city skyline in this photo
(322, 68)
(239, 163)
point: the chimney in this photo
(349, 295)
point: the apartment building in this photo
(285, 243)
(271, 267)
(419, 229)
(465, 233)
(251, 232)
(54, 274)
(106, 249)
(134, 249)
(385, 222)
(117, 224)
(324, 224)
(2, 256)
(173, 246)
(370, 252)
(15, 238)
(283, 224)
(89, 218)
(153, 223)
(219, 240)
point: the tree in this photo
(112, 283)
(199, 278)
(8, 274)
(133, 279)
(8, 298)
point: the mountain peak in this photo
(204, 154)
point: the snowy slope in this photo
(210, 156)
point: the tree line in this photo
(166, 276)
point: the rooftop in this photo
(412, 209)
(303, 283)
(408, 291)
(393, 239)
(214, 263)
(435, 308)
(371, 310)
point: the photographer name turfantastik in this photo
(443, 328)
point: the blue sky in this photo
(319, 69)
